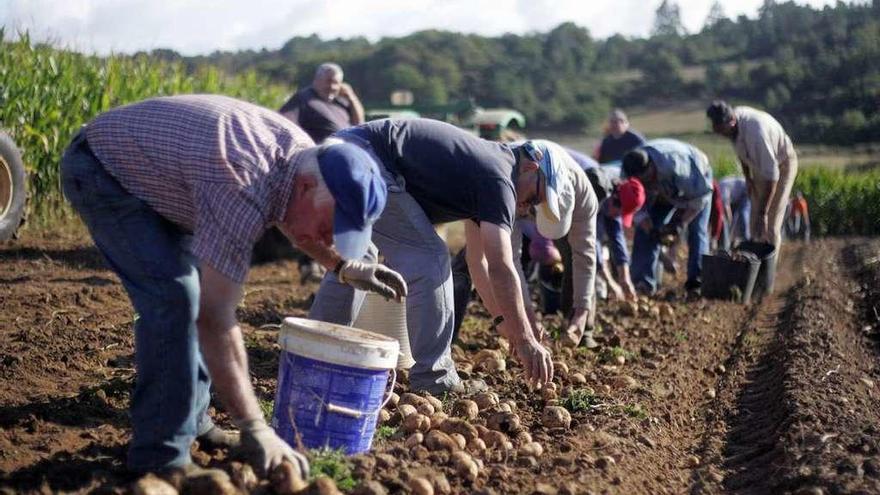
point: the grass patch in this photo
(580, 400)
(635, 411)
(385, 432)
(332, 464)
(609, 354)
(267, 406)
(681, 336)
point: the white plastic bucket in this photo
(387, 317)
(332, 382)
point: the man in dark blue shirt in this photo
(439, 173)
(619, 140)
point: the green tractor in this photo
(488, 123)
(13, 193)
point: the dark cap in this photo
(719, 112)
(635, 163)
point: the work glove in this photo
(373, 277)
(264, 450)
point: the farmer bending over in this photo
(438, 173)
(175, 191)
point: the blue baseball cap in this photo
(356, 184)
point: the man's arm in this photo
(355, 108)
(508, 297)
(223, 349)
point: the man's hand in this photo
(373, 277)
(264, 450)
(535, 358)
(581, 319)
(346, 91)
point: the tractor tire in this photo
(13, 192)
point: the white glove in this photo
(264, 450)
(373, 277)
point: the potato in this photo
(577, 379)
(465, 466)
(492, 365)
(415, 439)
(211, 482)
(503, 407)
(533, 449)
(548, 394)
(466, 409)
(629, 308)
(393, 400)
(560, 368)
(325, 486)
(494, 438)
(435, 402)
(556, 417)
(152, 485)
(487, 354)
(286, 479)
(486, 400)
(437, 440)
(243, 477)
(416, 422)
(438, 418)
(460, 426)
(503, 345)
(426, 408)
(550, 386)
(421, 486)
(459, 440)
(511, 404)
(384, 416)
(523, 437)
(476, 445)
(405, 410)
(441, 484)
(620, 360)
(666, 312)
(503, 421)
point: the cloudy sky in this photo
(202, 26)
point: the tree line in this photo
(818, 71)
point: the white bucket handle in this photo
(354, 413)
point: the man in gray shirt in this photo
(328, 105)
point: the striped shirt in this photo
(219, 168)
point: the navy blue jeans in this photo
(646, 250)
(149, 254)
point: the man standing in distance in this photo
(327, 106)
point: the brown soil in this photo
(716, 398)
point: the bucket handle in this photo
(354, 413)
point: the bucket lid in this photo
(338, 344)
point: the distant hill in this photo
(818, 71)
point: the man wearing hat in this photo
(678, 182)
(438, 173)
(618, 200)
(769, 164)
(174, 192)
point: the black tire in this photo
(13, 193)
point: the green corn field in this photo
(46, 94)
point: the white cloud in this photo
(203, 26)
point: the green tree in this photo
(667, 20)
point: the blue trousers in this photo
(149, 254)
(646, 250)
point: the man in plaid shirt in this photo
(175, 191)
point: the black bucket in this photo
(728, 278)
(767, 274)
